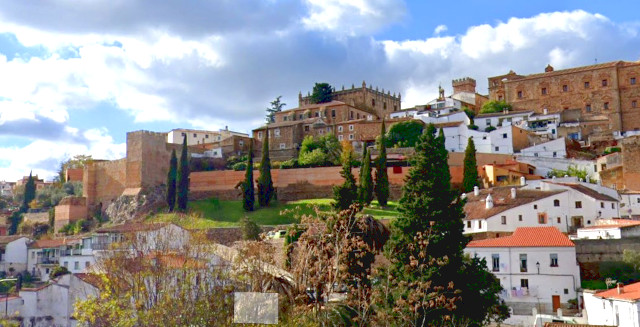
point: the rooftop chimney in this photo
(489, 202)
(620, 288)
(523, 181)
(476, 191)
(545, 111)
(513, 192)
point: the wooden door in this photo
(555, 299)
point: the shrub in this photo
(316, 157)
(291, 163)
(473, 127)
(250, 230)
(239, 166)
(490, 129)
(58, 271)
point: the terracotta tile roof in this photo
(502, 201)
(588, 192)
(526, 237)
(40, 244)
(448, 124)
(615, 223)
(629, 292)
(132, 228)
(10, 238)
(91, 279)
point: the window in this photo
(613, 205)
(195, 135)
(504, 220)
(351, 137)
(558, 220)
(333, 113)
(306, 128)
(488, 122)
(468, 224)
(207, 136)
(578, 204)
(555, 154)
(395, 107)
(524, 283)
(504, 136)
(317, 114)
(495, 260)
(479, 224)
(373, 102)
(183, 134)
(282, 146)
(285, 118)
(542, 218)
(300, 116)
(586, 85)
(351, 114)
(519, 217)
(544, 91)
(339, 137)
(339, 129)
(632, 81)
(276, 132)
(566, 291)
(535, 207)
(497, 148)
(523, 262)
(66, 265)
(554, 259)
(587, 108)
(606, 106)
(76, 265)
(384, 106)
(556, 203)
(519, 94)
(350, 127)
(605, 82)
(87, 264)
(358, 116)
(241, 142)
(634, 104)
(565, 88)
(602, 205)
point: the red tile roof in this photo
(588, 192)
(132, 227)
(615, 223)
(629, 292)
(527, 237)
(502, 201)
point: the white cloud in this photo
(353, 17)
(440, 29)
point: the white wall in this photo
(200, 137)
(592, 209)
(544, 284)
(457, 137)
(629, 204)
(507, 120)
(552, 149)
(599, 233)
(80, 260)
(16, 251)
(603, 311)
(545, 165)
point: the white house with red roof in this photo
(610, 229)
(536, 266)
(619, 306)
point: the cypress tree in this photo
(470, 177)
(382, 179)
(347, 193)
(430, 207)
(247, 186)
(171, 180)
(265, 183)
(365, 189)
(183, 178)
(29, 193)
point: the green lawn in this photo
(212, 213)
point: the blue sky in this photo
(75, 77)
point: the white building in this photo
(13, 253)
(536, 266)
(500, 119)
(498, 141)
(630, 204)
(6, 189)
(176, 136)
(619, 306)
(544, 125)
(435, 118)
(147, 236)
(552, 149)
(610, 229)
(78, 256)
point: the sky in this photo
(76, 76)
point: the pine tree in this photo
(382, 179)
(430, 207)
(183, 178)
(347, 193)
(265, 183)
(29, 193)
(470, 177)
(365, 189)
(247, 186)
(171, 180)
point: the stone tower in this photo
(466, 84)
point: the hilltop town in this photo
(349, 205)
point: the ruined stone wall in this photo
(69, 210)
(104, 181)
(631, 162)
(147, 159)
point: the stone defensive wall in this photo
(590, 253)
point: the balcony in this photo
(48, 261)
(71, 252)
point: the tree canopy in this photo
(494, 106)
(404, 134)
(276, 106)
(321, 151)
(470, 167)
(381, 187)
(322, 92)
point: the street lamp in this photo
(538, 266)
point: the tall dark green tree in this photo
(276, 106)
(322, 92)
(248, 198)
(172, 175)
(29, 193)
(346, 194)
(382, 179)
(265, 183)
(183, 177)
(365, 187)
(470, 172)
(430, 207)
